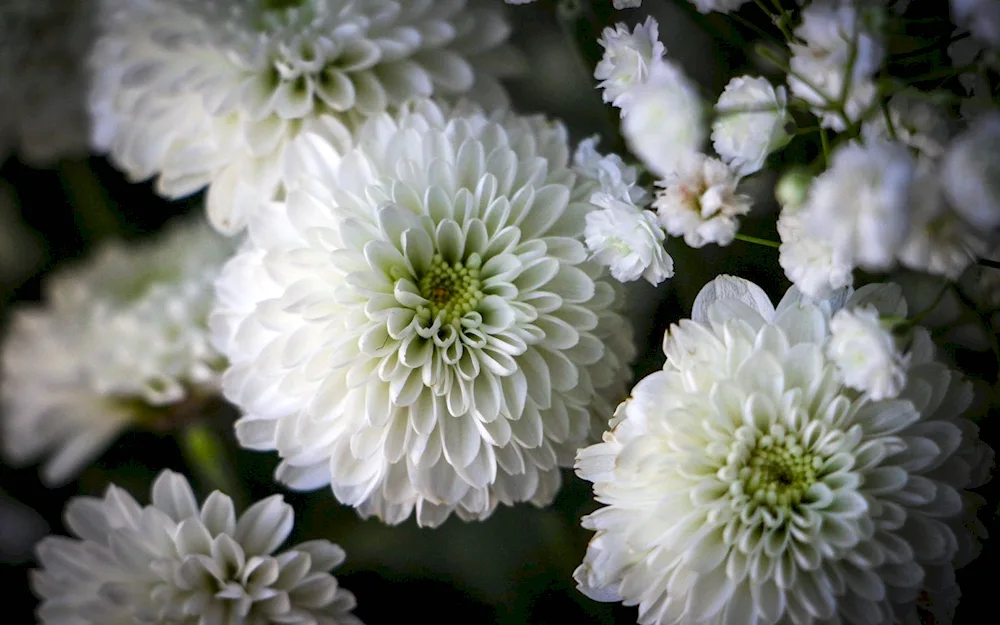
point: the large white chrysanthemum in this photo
(418, 326)
(744, 483)
(211, 92)
(122, 337)
(173, 562)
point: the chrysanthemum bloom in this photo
(173, 562)
(751, 116)
(699, 202)
(121, 338)
(418, 326)
(839, 56)
(627, 240)
(971, 172)
(627, 60)
(212, 92)
(43, 82)
(745, 484)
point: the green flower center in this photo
(779, 471)
(451, 289)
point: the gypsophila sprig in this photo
(175, 562)
(627, 240)
(745, 483)
(751, 122)
(418, 325)
(121, 339)
(628, 58)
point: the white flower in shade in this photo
(744, 483)
(838, 50)
(915, 123)
(971, 172)
(418, 325)
(940, 241)
(609, 171)
(981, 17)
(861, 204)
(811, 264)
(43, 82)
(628, 58)
(664, 125)
(213, 93)
(865, 352)
(699, 202)
(627, 240)
(173, 562)
(121, 338)
(751, 116)
(719, 6)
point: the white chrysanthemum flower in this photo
(916, 123)
(861, 204)
(971, 172)
(981, 17)
(418, 325)
(719, 6)
(839, 50)
(610, 172)
(213, 92)
(171, 562)
(628, 58)
(627, 240)
(665, 122)
(939, 241)
(699, 202)
(121, 338)
(744, 139)
(745, 483)
(865, 352)
(43, 83)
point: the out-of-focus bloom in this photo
(120, 338)
(699, 202)
(43, 83)
(744, 139)
(627, 240)
(609, 171)
(628, 59)
(915, 123)
(418, 325)
(971, 172)
(861, 204)
(664, 123)
(744, 483)
(834, 32)
(981, 17)
(173, 562)
(213, 93)
(719, 6)
(865, 352)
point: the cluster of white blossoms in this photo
(173, 562)
(119, 339)
(213, 92)
(747, 482)
(417, 324)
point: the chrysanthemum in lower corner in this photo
(173, 562)
(418, 325)
(120, 339)
(745, 483)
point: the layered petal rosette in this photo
(745, 483)
(418, 325)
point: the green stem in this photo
(776, 19)
(91, 209)
(749, 239)
(207, 456)
(825, 141)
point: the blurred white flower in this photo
(861, 204)
(664, 121)
(719, 6)
(213, 93)
(916, 123)
(173, 562)
(744, 139)
(610, 172)
(120, 338)
(971, 172)
(865, 352)
(744, 483)
(628, 59)
(811, 264)
(838, 58)
(981, 17)
(43, 81)
(699, 202)
(418, 325)
(627, 240)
